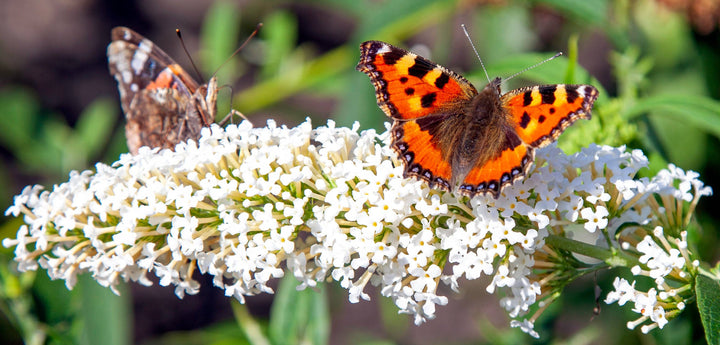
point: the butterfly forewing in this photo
(542, 113)
(409, 86)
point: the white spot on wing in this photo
(141, 56)
(585, 90)
(384, 49)
(145, 45)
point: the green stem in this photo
(253, 330)
(612, 256)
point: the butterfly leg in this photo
(229, 117)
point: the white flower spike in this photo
(246, 205)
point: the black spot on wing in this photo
(427, 100)
(420, 68)
(571, 93)
(398, 132)
(409, 91)
(403, 80)
(525, 120)
(505, 178)
(393, 56)
(548, 94)
(527, 98)
(442, 80)
(541, 119)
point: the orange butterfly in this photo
(456, 138)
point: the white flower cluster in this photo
(248, 204)
(663, 257)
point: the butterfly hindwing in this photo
(421, 154)
(493, 175)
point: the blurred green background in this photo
(656, 62)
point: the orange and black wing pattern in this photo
(408, 88)
(510, 164)
(452, 136)
(538, 115)
(541, 113)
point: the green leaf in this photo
(298, 316)
(251, 328)
(219, 37)
(572, 57)
(302, 77)
(496, 45)
(219, 41)
(673, 137)
(318, 327)
(95, 125)
(105, 316)
(52, 302)
(583, 12)
(395, 324)
(280, 36)
(667, 35)
(18, 305)
(19, 110)
(220, 333)
(550, 72)
(707, 289)
(701, 112)
(49, 151)
(677, 332)
(382, 22)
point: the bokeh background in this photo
(656, 62)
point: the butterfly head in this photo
(494, 86)
(206, 99)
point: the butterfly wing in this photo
(541, 113)
(537, 116)
(158, 97)
(511, 164)
(409, 86)
(424, 99)
(138, 64)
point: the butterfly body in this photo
(163, 104)
(456, 138)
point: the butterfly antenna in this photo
(233, 112)
(533, 66)
(257, 28)
(476, 52)
(182, 42)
